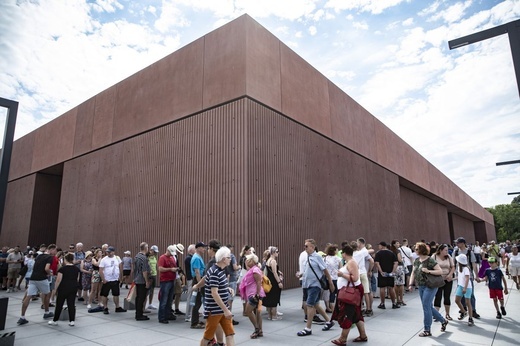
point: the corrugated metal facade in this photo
(243, 174)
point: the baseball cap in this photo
(179, 248)
(200, 244)
(154, 248)
(127, 252)
(460, 240)
(492, 259)
(111, 249)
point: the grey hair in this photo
(191, 248)
(221, 253)
(252, 257)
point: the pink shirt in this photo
(248, 284)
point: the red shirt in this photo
(167, 262)
(54, 265)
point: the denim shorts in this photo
(460, 294)
(313, 295)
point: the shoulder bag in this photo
(349, 294)
(433, 281)
(324, 283)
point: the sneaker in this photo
(179, 312)
(503, 309)
(142, 318)
(51, 305)
(81, 299)
(152, 307)
(22, 321)
(71, 323)
(89, 306)
(279, 313)
(52, 323)
(462, 315)
(475, 315)
(105, 311)
(317, 320)
(381, 306)
(395, 306)
(48, 315)
(120, 309)
(8, 290)
(369, 313)
(499, 315)
(470, 322)
(235, 323)
(187, 319)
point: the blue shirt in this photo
(197, 263)
(494, 277)
(309, 279)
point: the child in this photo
(463, 290)
(495, 278)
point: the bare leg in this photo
(25, 304)
(116, 301)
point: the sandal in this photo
(255, 334)
(327, 326)
(425, 333)
(339, 342)
(443, 325)
(448, 317)
(360, 339)
(260, 333)
(304, 332)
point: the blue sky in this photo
(460, 109)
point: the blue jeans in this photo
(165, 303)
(427, 295)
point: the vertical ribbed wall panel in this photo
(241, 173)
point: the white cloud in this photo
(313, 30)
(372, 6)
(171, 17)
(360, 25)
(408, 22)
(453, 13)
(109, 6)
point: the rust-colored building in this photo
(233, 137)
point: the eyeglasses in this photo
(276, 251)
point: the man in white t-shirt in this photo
(361, 255)
(407, 255)
(111, 270)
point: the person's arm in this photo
(102, 274)
(371, 264)
(258, 281)
(82, 268)
(466, 284)
(197, 274)
(329, 278)
(412, 278)
(394, 269)
(121, 271)
(201, 283)
(218, 300)
(353, 269)
(378, 267)
(272, 264)
(452, 270)
(48, 268)
(58, 280)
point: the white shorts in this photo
(514, 271)
(365, 283)
(35, 287)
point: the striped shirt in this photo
(140, 266)
(215, 277)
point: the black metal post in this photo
(511, 28)
(7, 148)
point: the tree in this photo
(507, 220)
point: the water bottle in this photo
(193, 298)
(50, 276)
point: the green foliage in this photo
(507, 220)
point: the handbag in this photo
(349, 295)
(132, 293)
(324, 282)
(433, 281)
(266, 284)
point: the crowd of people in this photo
(58, 276)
